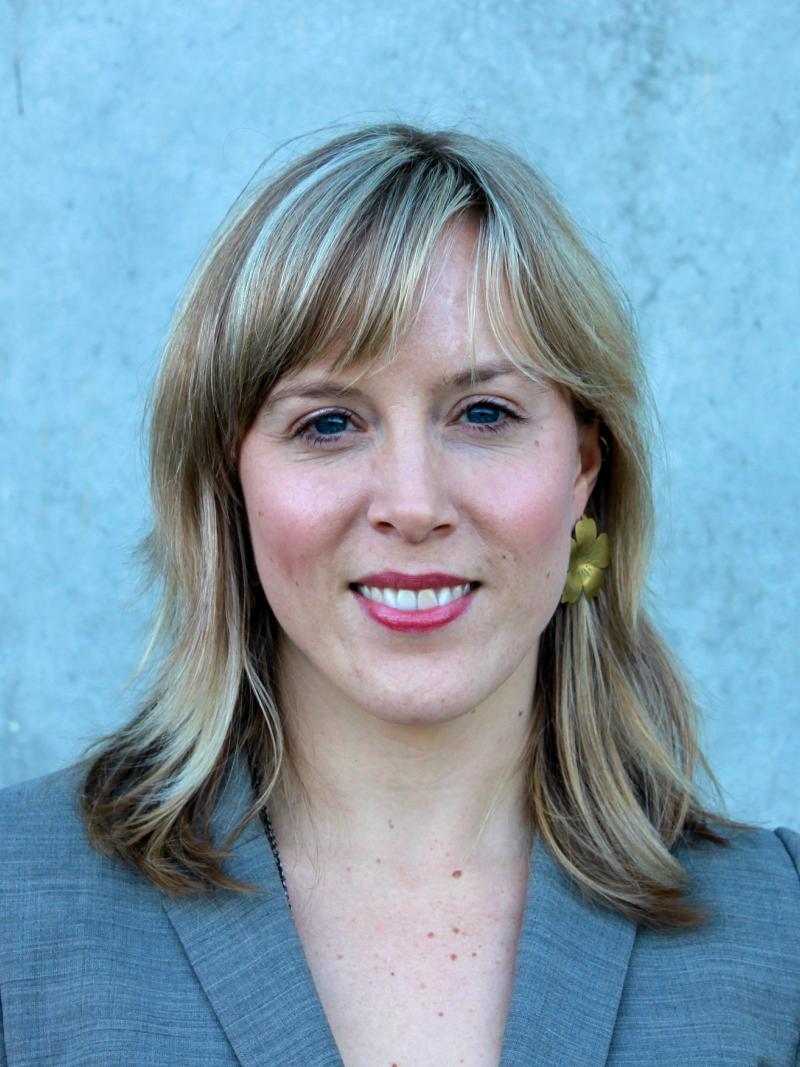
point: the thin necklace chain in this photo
(273, 844)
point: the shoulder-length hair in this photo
(332, 254)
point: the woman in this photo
(402, 496)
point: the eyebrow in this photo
(330, 387)
(483, 373)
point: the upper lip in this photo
(397, 580)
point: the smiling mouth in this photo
(415, 600)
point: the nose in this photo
(410, 495)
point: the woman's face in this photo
(416, 478)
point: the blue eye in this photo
(485, 413)
(490, 416)
(325, 428)
(332, 422)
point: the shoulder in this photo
(41, 827)
(732, 985)
(756, 874)
(37, 794)
(55, 888)
(749, 889)
(91, 967)
(37, 814)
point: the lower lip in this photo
(415, 622)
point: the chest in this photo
(411, 981)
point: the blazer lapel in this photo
(572, 959)
(246, 954)
(571, 963)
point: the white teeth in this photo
(426, 598)
(409, 600)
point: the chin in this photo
(432, 709)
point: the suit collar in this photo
(246, 953)
(571, 962)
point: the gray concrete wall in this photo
(670, 128)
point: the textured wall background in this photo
(671, 131)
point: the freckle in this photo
(377, 860)
(422, 985)
(453, 956)
(339, 956)
(348, 869)
(519, 714)
(457, 874)
(431, 933)
(441, 1013)
(261, 514)
(474, 953)
(391, 973)
(536, 444)
(456, 930)
(391, 825)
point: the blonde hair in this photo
(332, 254)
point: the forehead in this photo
(448, 342)
(319, 381)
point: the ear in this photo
(588, 463)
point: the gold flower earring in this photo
(588, 558)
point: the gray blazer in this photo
(99, 968)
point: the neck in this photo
(404, 799)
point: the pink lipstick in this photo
(413, 619)
(398, 580)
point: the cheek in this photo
(293, 528)
(531, 520)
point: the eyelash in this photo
(317, 440)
